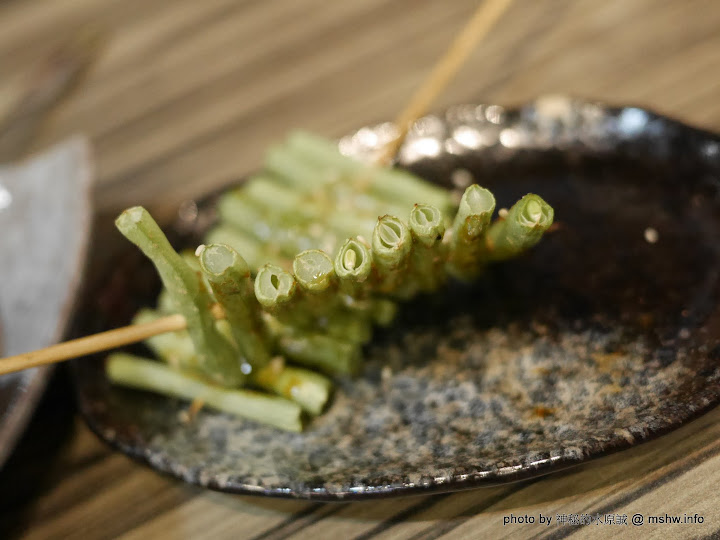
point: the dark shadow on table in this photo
(31, 469)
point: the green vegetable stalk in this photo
(217, 358)
(248, 247)
(391, 249)
(283, 235)
(301, 302)
(278, 199)
(325, 216)
(427, 227)
(274, 288)
(291, 222)
(392, 185)
(141, 373)
(320, 306)
(337, 189)
(521, 229)
(294, 172)
(315, 274)
(189, 257)
(229, 277)
(467, 248)
(307, 388)
(285, 205)
(174, 348)
(353, 267)
(310, 390)
(322, 352)
(328, 354)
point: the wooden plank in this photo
(218, 516)
(186, 97)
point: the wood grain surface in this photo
(184, 98)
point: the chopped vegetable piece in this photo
(467, 250)
(229, 277)
(391, 246)
(393, 185)
(427, 227)
(274, 287)
(247, 246)
(308, 389)
(143, 374)
(353, 266)
(314, 271)
(522, 228)
(217, 358)
(330, 355)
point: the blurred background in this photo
(182, 97)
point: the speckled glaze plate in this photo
(604, 336)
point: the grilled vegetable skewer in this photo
(308, 306)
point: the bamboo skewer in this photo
(92, 344)
(110, 339)
(482, 21)
(478, 27)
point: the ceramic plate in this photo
(604, 336)
(44, 230)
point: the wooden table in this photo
(185, 98)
